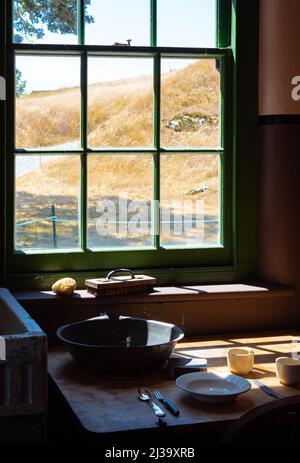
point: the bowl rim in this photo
(208, 374)
(111, 346)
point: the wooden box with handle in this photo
(114, 285)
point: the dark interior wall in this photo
(279, 223)
(279, 158)
(279, 212)
(279, 55)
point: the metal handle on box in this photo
(120, 270)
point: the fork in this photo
(169, 405)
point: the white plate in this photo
(213, 387)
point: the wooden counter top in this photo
(109, 404)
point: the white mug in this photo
(288, 370)
(240, 360)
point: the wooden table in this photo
(108, 404)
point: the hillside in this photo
(121, 114)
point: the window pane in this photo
(45, 22)
(119, 200)
(190, 103)
(188, 23)
(47, 198)
(47, 102)
(190, 191)
(120, 102)
(117, 21)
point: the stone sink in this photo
(23, 360)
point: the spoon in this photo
(145, 396)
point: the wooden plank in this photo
(109, 404)
(163, 294)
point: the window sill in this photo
(160, 295)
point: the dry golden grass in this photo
(111, 176)
(54, 177)
(46, 119)
(120, 115)
(194, 89)
(121, 112)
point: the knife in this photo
(267, 389)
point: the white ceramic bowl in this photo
(213, 387)
(288, 370)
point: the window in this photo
(121, 137)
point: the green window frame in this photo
(234, 258)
